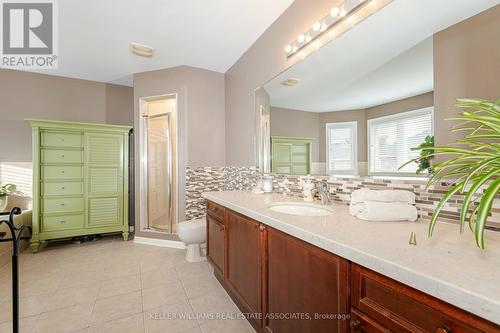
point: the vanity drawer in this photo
(215, 210)
(62, 222)
(61, 156)
(62, 188)
(61, 172)
(57, 205)
(401, 308)
(62, 139)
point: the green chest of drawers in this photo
(80, 180)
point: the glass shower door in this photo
(159, 170)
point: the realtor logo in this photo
(29, 34)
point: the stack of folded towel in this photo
(384, 205)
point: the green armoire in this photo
(80, 180)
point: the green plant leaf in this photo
(477, 184)
(484, 210)
(440, 206)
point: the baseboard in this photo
(159, 242)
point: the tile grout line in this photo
(187, 297)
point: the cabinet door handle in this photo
(444, 329)
(62, 222)
(63, 204)
(355, 324)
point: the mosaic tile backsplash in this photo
(206, 179)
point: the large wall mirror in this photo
(358, 102)
(338, 113)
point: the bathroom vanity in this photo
(339, 274)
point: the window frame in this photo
(392, 117)
(345, 124)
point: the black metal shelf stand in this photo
(16, 238)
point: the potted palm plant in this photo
(472, 165)
(6, 190)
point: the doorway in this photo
(159, 163)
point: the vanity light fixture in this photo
(341, 18)
(335, 11)
(141, 50)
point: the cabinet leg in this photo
(125, 235)
(35, 246)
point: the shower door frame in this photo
(143, 165)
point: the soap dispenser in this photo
(307, 186)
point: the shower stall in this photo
(158, 163)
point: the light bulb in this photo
(317, 26)
(323, 27)
(301, 38)
(308, 38)
(294, 49)
(343, 12)
(288, 48)
(335, 11)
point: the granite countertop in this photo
(448, 266)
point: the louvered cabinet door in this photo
(104, 156)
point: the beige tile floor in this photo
(116, 286)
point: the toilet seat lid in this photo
(192, 224)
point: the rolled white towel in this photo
(384, 211)
(364, 194)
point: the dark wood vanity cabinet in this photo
(245, 264)
(400, 308)
(216, 238)
(286, 285)
(307, 284)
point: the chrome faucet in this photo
(323, 193)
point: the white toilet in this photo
(193, 233)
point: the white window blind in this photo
(391, 138)
(341, 148)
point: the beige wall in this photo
(119, 105)
(200, 122)
(288, 122)
(402, 105)
(263, 60)
(343, 116)
(30, 95)
(466, 65)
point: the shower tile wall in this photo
(200, 180)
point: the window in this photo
(341, 148)
(391, 138)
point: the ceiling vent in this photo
(141, 50)
(290, 82)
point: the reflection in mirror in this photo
(344, 114)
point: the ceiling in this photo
(95, 35)
(384, 58)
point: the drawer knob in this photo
(355, 324)
(62, 155)
(444, 329)
(62, 222)
(63, 204)
(63, 187)
(62, 171)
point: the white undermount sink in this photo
(301, 208)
